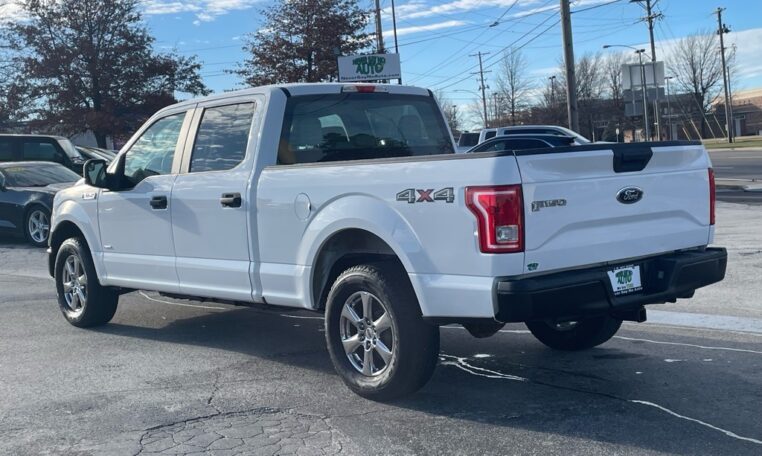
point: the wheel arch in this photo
(344, 249)
(373, 232)
(70, 221)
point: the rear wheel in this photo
(37, 226)
(575, 335)
(377, 339)
(82, 300)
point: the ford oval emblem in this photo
(629, 195)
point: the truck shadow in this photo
(511, 381)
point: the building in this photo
(747, 112)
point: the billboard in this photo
(632, 76)
(371, 67)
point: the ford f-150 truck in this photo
(348, 199)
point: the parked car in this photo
(57, 149)
(89, 153)
(466, 141)
(555, 130)
(26, 197)
(522, 142)
(348, 199)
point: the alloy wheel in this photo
(367, 334)
(39, 226)
(74, 280)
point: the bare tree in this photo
(514, 87)
(591, 85)
(450, 111)
(612, 75)
(697, 65)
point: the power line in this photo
(507, 47)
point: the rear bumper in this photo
(585, 293)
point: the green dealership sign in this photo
(371, 67)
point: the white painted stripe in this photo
(710, 426)
(705, 347)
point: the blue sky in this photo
(436, 37)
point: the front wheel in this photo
(377, 339)
(575, 335)
(82, 300)
(37, 226)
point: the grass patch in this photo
(740, 143)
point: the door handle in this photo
(231, 200)
(159, 202)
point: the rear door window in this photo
(6, 149)
(222, 138)
(41, 150)
(358, 126)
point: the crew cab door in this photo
(212, 199)
(135, 221)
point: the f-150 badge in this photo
(537, 205)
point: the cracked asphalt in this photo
(183, 377)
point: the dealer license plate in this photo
(625, 280)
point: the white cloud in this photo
(204, 10)
(420, 8)
(425, 28)
(10, 11)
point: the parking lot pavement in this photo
(183, 377)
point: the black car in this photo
(522, 142)
(26, 197)
(48, 148)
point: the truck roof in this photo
(298, 89)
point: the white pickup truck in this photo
(349, 200)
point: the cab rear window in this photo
(361, 126)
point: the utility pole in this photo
(482, 87)
(396, 45)
(571, 82)
(650, 18)
(722, 30)
(379, 32)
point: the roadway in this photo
(734, 169)
(188, 377)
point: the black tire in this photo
(581, 335)
(415, 349)
(39, 238)
(99, 304)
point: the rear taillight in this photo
(499, 212)
(712, 196)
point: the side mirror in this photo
(2, 184)
(94, 173)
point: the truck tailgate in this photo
(605, 203)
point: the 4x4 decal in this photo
(412, 195)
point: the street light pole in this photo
(645, 94)
(640, 53)
(669, 109)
